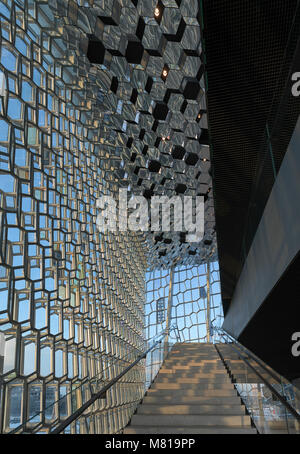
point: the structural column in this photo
(169, 309)
(208, 303)
(2, 346)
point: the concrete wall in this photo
(275, 244)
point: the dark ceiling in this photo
(249, 47)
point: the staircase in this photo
(192, 394)
(243, 375)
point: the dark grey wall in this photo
(275, 245)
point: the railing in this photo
(94, 405)
(156, 357)
(272, 401)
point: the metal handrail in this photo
(88, 380)
(177, 333)
(103, 390)
(281, 398)
(252, 356)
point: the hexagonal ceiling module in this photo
(143, 85)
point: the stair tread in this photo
(195, 385)
(192, 420)
(188, 430)
(195, 392)
(192, 393)
(193, 400)
(175, 379)
(190, 409)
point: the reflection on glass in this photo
(15, 406)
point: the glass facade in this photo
(79, 121)
(195, 302)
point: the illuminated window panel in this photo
(73, 307)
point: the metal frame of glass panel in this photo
(72, 300)
(191, 300)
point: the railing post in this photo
(169, 311)
(208, 302)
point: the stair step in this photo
(191, 420)
(207, 356)
(188, 430)
(217, 365)
(193, 385)
(193, 392)
(192, 400)
(184, 374)
(202, 359)
(202, 351)
(194, 368)
(200, 380)
(197, 356)
(172, 364)
(159, 409)
(199, 361)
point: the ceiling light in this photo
(157, 12)
(165, 72)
